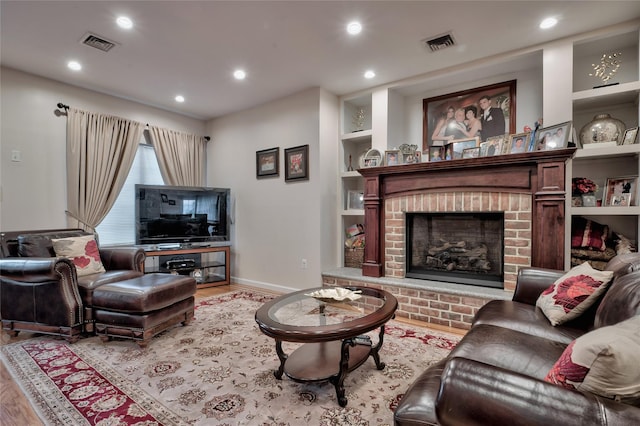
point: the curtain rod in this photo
(66, 109)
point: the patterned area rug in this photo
(216, 371)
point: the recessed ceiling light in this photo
(239, 74)
(548, 23)
(369, 74)
(74, 65)
(180, 98)
(124, 22)
(354, 27)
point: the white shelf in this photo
(355, 136)
(608, 152)
(353, 212)
(619, 93)
(351, 175)
(605, 211)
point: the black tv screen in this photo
(181, 214)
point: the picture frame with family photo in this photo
(553, 137)
(621, 191)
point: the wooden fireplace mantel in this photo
(540, 173)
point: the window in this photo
(118, 227)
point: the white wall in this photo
(276, 223)
(34, 190)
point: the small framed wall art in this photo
(296, 162)
(267, 163)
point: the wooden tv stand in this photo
(212, 264)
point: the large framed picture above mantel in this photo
(483, 112)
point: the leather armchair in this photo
(44, 294)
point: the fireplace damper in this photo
(465, 248)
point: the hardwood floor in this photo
(15, 408)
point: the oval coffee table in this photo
(332, 333)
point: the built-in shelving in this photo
(601, 163)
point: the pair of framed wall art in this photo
(296, 163)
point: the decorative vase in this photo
(603, 128)
(589, 200)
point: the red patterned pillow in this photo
(82, 251)
(588, 234)
(573, 293)
(604, 362)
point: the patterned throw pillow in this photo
(573, 293)
(82, 251)
(604, 362)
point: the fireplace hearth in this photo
(465, 248)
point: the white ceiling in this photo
(192, 47)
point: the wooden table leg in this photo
(282, 357)
(376, 349)
(338, 379)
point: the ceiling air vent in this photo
(440, 42)
(97, 42)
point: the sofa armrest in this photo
(126, 258)
(37, 269)
(474, 393)
(41, 291)
(531, 282)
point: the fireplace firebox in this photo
(465, 248)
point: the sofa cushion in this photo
(573, 293)
(36, 245)
(512, 350)
(604, 361)
(621, 302)
(82, 251)
(624, 264)
(529, 319)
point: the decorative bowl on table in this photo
(335, 294)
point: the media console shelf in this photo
(210, 266)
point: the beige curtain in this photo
(100, 151)
(181, 156)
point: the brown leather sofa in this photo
(42, 293)
(495, 374)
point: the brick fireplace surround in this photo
(529, 188)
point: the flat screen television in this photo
(181, 214)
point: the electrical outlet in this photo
(16, 155)
(304, 264)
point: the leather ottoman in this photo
(140, 308)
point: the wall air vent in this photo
(439, 42)
(97, 42)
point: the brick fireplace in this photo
(528, 188)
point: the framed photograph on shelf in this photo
(471, 152)
(372, 158)
(435, 153)
(518, 143)
(355, 200)
(498, 100)
(457, 146)
(493, 146)
(553, 137)
(296, 162)
(392, 157)
(630, 136)
(267, 163)
(621, 191)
